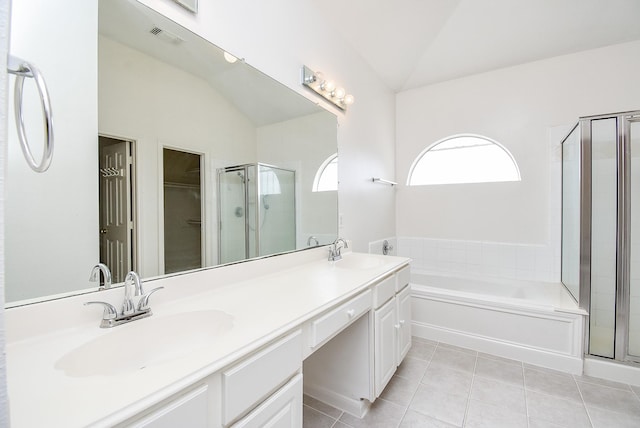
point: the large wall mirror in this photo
(171, 155)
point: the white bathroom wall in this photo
(303, 144)
(71, 226)
(525, 108)
(278, 37)
(4, 45)
(188, 115)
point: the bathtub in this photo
(535, 322)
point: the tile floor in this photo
(440, 385)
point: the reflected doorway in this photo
(182, 210)
(116, 195)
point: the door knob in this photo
(103, 231)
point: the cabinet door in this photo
(282, 410)
(403, 306)
(385, 345)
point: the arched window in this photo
(463, 158)
(327, 176)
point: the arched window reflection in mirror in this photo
(465, 158)
(327, 176)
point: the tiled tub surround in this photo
(266, 300)
(482, 258)
(444, 386)
(535, 322)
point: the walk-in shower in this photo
(256, 211)
(601, 230)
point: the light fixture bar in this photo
(326, 88)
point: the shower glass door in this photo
(571, 212)
(604, 232)
(231, 213)
(632, 126)
(277, 210)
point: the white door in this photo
(385, 345)
(115, 208)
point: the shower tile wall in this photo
(483, 258)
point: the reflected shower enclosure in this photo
(256, 211)
(601, 230)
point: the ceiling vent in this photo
(166, 36)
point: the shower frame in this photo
(623, 219)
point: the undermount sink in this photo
(352, 261)
(146, 342)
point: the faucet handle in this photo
(110, 311)
(143, 303)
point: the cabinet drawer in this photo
(188, 410)
(246, 384)
(403, 276)
(334, 321)
(282, 409)
(383, 291)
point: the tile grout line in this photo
(584, 404)
(635, 393)
(526, 400)
(473, 377)
(324, 414)
(418, 386)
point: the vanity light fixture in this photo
(317, 82)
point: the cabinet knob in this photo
(401, 322)
(351, 313)
(397, 326)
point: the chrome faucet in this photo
(313, 238)
(106, 274)
(137, 284)
(334, 249)
(132, 288)
(386, 247)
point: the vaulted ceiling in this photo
(412, 43)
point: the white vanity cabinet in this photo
(392, 326)
(338, 338)
(263, 389)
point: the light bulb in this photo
(328, 85)
(348, 99)
(230, 58)
(318, 76)
(339, 93)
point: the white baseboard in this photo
(538, 357)
(357, 408)
(614, 371)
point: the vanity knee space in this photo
(350, 370)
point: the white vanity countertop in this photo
(277, 299)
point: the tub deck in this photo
(529, 294)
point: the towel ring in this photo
(23, 69)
